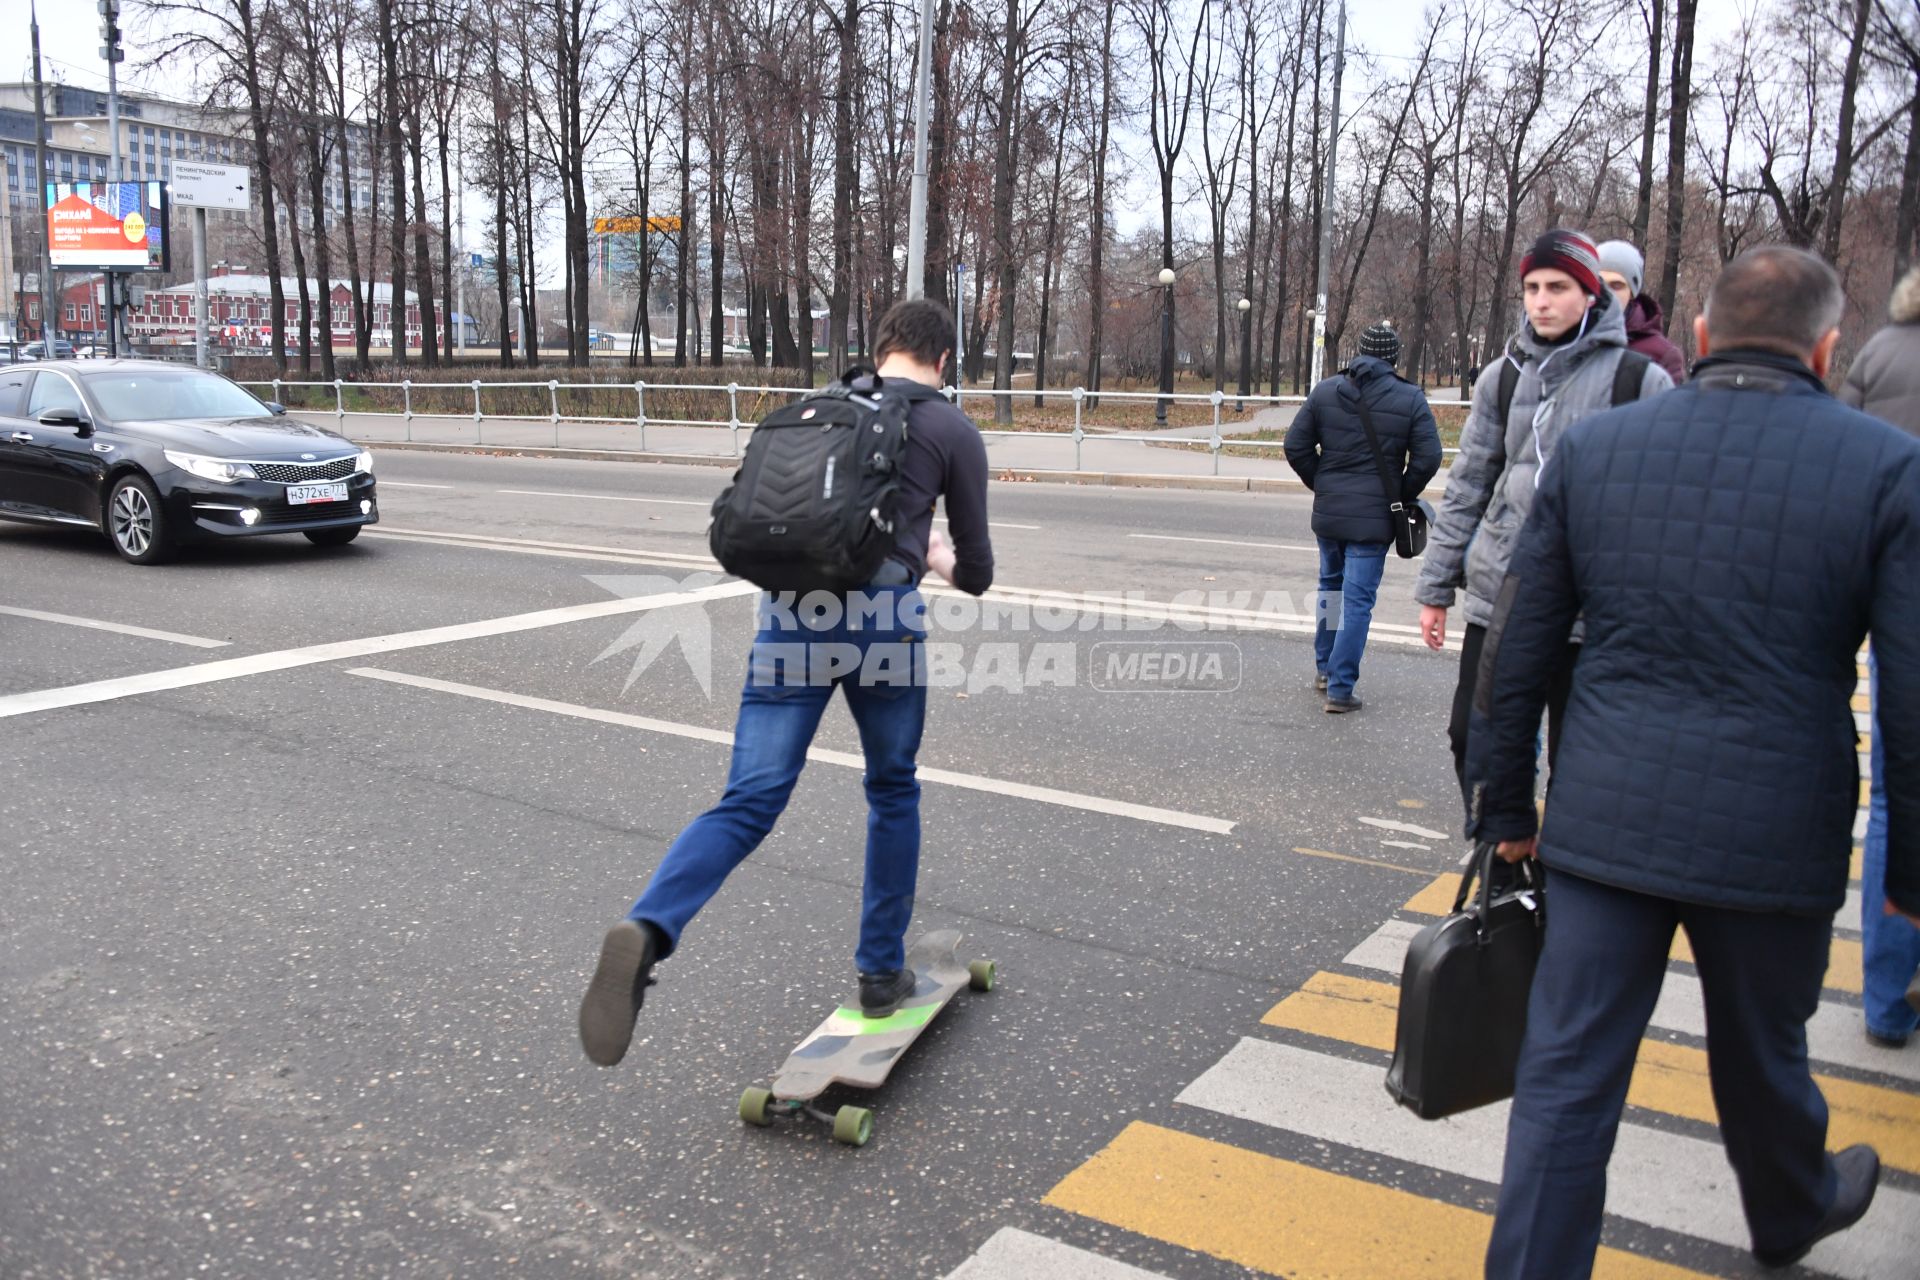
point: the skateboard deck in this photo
(849, 1048)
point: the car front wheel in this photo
(136, 524)
(333, 537)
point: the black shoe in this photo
(1320, 682)
(1886, 1042)
(881, 993)
(619, 986)
(1858, 1168)
(1340, 706)
(1913, 994)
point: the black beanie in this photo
(1381, 342)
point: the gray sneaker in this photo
(1340, 706)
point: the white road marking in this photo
(1835, 1033)
(1223, 542)
(971, 782)
(1403, 844)
(604, 497)
(1012, 1254)
(563, 550)
(410, 484)
(122, 628)
(284, 659)
(1668, 1180)
(1085, 602)
(1405, 828)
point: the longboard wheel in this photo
(980, 975)
(852, 1125)
(753, 1106)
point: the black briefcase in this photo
(1463, 994)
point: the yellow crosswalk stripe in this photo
(1669, 1078)
(1845, 962)
(1853, 864)
(1284, 1218)
(1862, 702)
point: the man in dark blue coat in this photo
(1328, 448)
(1729, 546)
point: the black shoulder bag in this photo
(1409, 520)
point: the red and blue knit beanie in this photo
(1568, 251)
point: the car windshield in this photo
(172, 393)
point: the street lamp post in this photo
(1246, 349)
(1166, 345)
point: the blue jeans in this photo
(1349, 581)
(1892, 943)
(878, 660)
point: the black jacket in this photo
(1327, 448)
(1730, 545)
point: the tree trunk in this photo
(839, 300)
(1003, 181)
(939, 228)
(1843, 142)
(423, 252)
(322, 251)
(1649, 120)
(1097, 265)
(396, 163)
(1682, 98)
(1905, 228)
(1045, 336)
(300, 279)
(446, 247)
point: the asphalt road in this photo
(307, 854)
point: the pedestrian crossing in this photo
(1287, 1157)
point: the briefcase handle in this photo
(1476, 880)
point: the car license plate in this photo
(300, 495)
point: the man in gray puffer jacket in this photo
(1563, 366)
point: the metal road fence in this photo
(641, 405)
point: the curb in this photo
(1004, 475)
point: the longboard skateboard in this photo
(852, 1049)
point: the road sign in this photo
(211, 186)
(618, 226)
(476, 260)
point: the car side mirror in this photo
(275, 407)
(71, 418)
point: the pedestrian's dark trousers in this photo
(1600, 969)
(1471, 645)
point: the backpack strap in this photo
(1509, 382)
(1628, 376)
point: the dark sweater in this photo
(945, 457)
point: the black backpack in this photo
(1627, 377)
(814, 505)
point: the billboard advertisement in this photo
(113, 226)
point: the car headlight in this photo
(217, 469)
(364, 462)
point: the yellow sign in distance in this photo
(634, 226)
(134, 228)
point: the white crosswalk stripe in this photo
(1012, 1254)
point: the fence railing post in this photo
(1214, 444)
(733, 415)
(553, 402)
(276, 392)
(339, 403)
(479, 430)
(1079, 396)
(640, 411)
(406, 404)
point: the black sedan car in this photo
(155, 455)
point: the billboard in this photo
(113, 226)
(633, 226)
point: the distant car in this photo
(62, 350)
(155, 455)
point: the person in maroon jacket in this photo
(1623, 269)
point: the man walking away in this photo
(1885, 382)
(1729, 547)
(1328, 448)
(1569, 361)
(861, 651)
(1622, 267)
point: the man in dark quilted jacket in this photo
(1729, 546)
